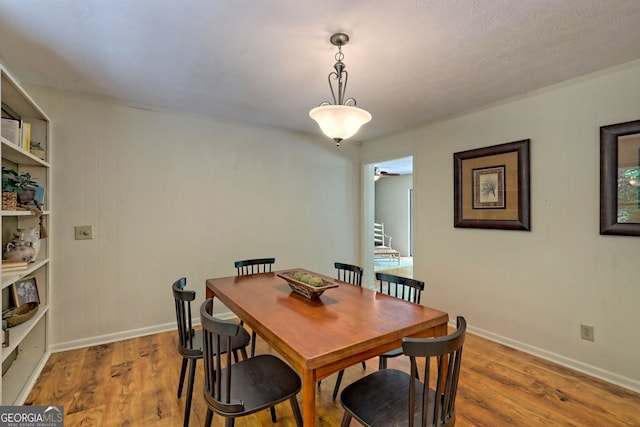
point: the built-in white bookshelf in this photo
(27, 350)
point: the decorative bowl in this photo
(21, 314)
(305, 289)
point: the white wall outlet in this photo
(586, 332)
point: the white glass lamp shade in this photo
(339, 121)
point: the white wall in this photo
(173, 195)
(392, 208)
(532, 290)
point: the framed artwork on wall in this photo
(620, 179)
(491, 187)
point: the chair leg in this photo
(364, 365)
(297, 415)
(337, 386)
(274, 418)
(192, 376)
(253, 343)
(209, 418)
(346, 419)
(183, 371)
(383, 363)
(243, 351)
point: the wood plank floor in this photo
(134, 383)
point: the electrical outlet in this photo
(586, 332)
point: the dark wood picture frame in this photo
(25, 290)
(619, 211)
(510, 164)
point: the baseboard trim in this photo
(125, 335)
(576, 365)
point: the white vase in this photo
(31, 234)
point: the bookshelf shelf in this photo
(10, 278)
(28, 347)
(15, 154)
(20, 213)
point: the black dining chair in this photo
(246, 267)
(391, 397)
(254, 266)
(399, 287)
(350, 274)
(190, 341)
(237, 389)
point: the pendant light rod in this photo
(340, 75)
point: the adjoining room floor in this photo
(388, 266)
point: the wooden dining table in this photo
(346, 325)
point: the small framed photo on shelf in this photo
(39, 196)
(25, 291)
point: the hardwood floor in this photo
(134, 383)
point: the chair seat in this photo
(195, 352)
(393, 353)
(381, 399)
(238, 342)
(261, 382)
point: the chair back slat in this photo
(400, 287)
(254, 266)
(446, 353)
(183, 300)
(349, 273)
(218, 364)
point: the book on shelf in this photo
(11, 130)
(13, 269)
(25, 141)
(13, 265)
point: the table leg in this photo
(309, 398)
(441, 330)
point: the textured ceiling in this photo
(267, 61)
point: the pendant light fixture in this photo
(342, 119)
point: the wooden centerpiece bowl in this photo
(305, 289)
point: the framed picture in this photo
(25, 290)
(491, 187)
(620, 179)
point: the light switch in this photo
(84, 232)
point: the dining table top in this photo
(318, 337)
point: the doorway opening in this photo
(391, 204)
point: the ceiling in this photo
(267, 61)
